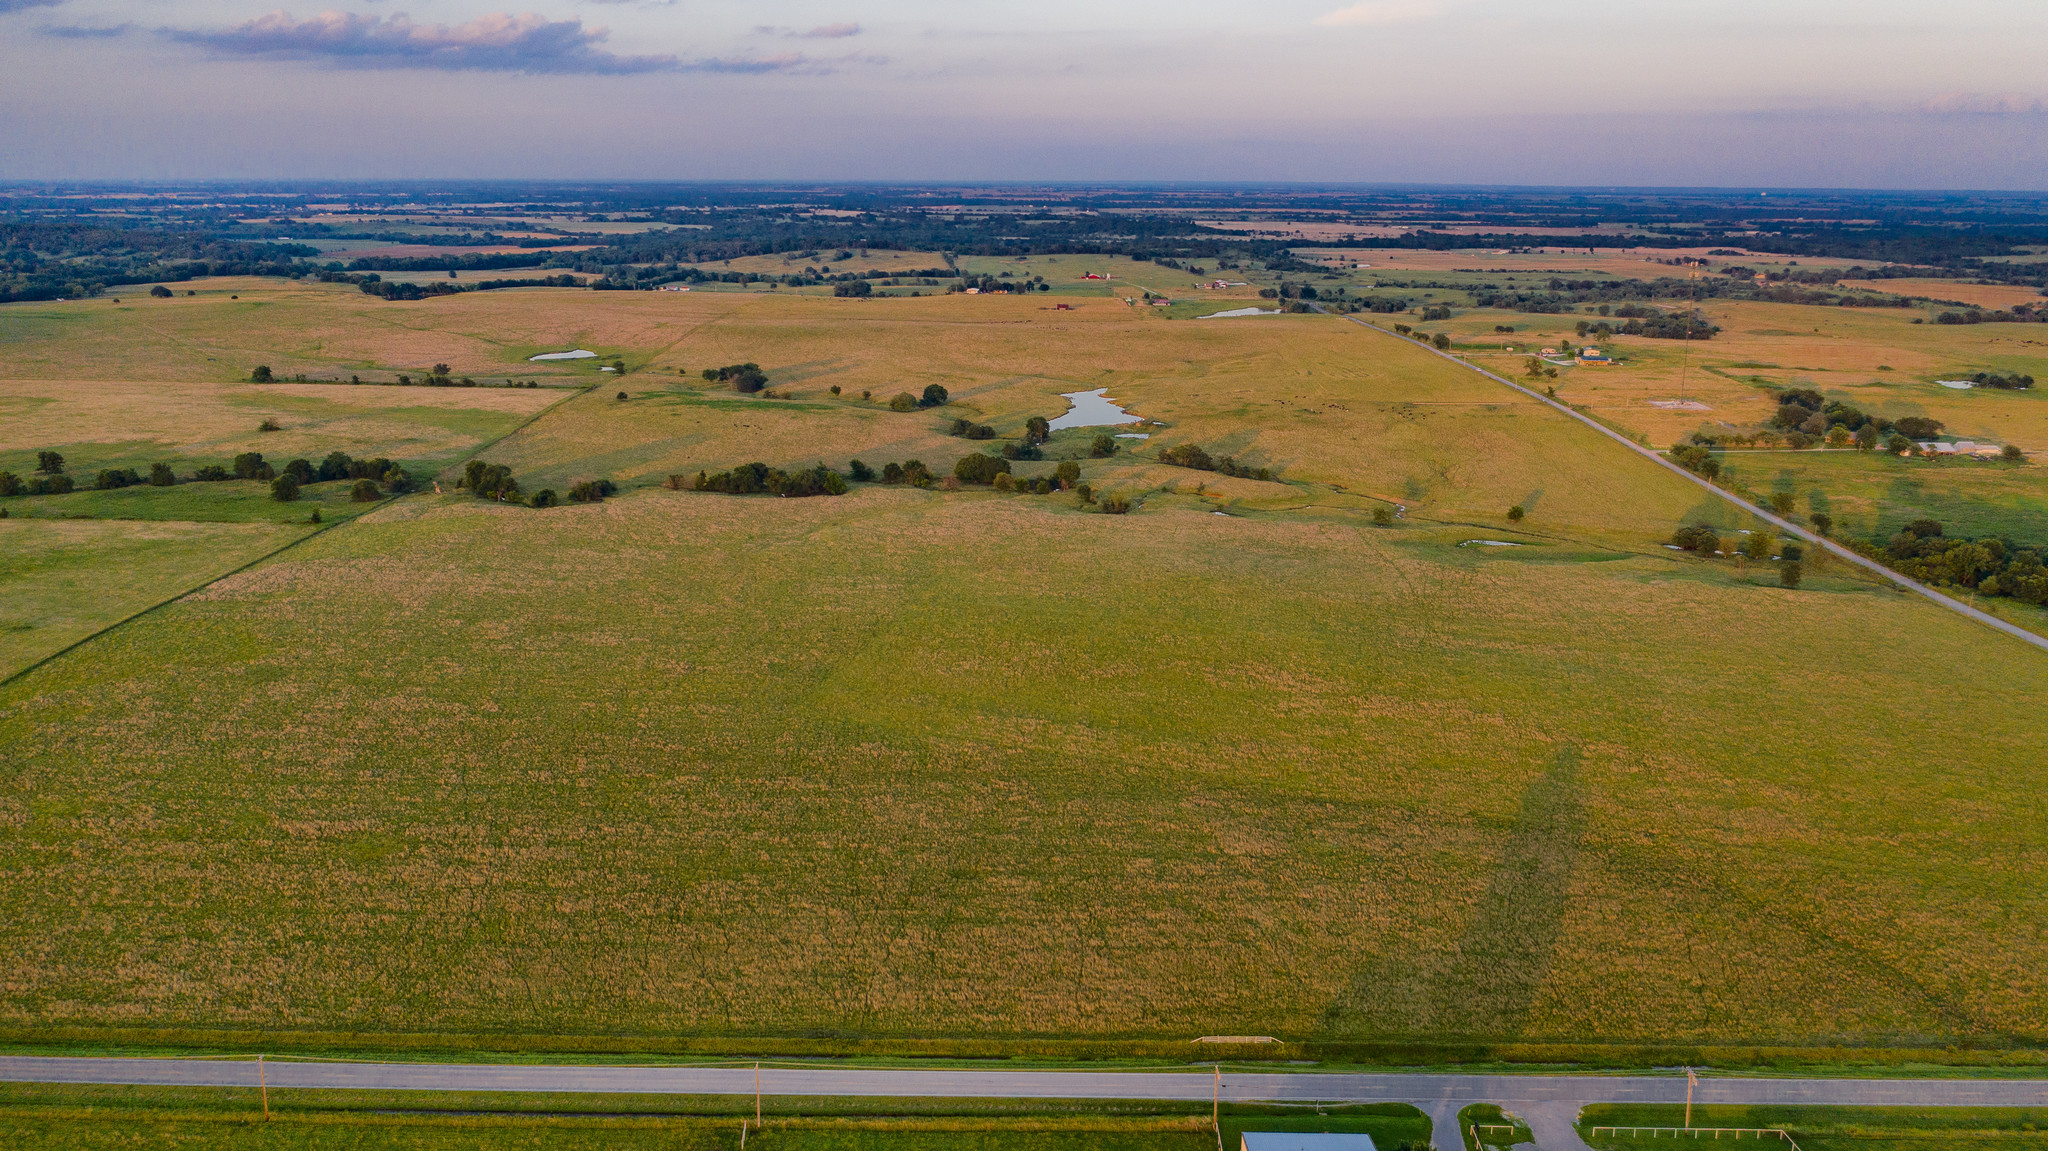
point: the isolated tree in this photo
(1103, 447)
(1790, 572)
(284, 489)
(1516, 513)
(1442, 342)
(1382, 515)
(49, 463)
(1822, 522)
(903, 402)
(1783, 502)
(934, 395)
(1068, 473)
(1037, 430)
(261, 375)
(2012, 453)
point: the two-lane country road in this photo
(1549, 1102)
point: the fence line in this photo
(1696, 1132)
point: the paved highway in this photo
(1549, 1102)
(1778, 521)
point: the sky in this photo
(1729, 93)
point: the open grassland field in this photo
(63, 580)
(1319, 401)
(1831, 1128)
(928, 763)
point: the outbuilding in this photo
(1304, 1141)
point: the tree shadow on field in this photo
(1485, 984)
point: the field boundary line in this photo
(74, 645)
(1912, 585)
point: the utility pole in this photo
(263, 1085)
(1691, 1081)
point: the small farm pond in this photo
(1092, 410)
(578, 354)
(1240, 312)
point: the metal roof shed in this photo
(1304, 1141)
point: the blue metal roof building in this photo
(1304, 1141)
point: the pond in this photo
(578, 354)
(1092, 410)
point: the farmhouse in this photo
(1304, 1141)
(675, 287)
(1594, 356)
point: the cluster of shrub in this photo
(368, 475)
(1441, 341)
(1000, 284)
(1811, 415)
(50, 478)
(969, 430)
(1192, 456)
(748, 479)
(373, 284)
(1992, 567)
(628, 279)
(934, 395)
(489, 481)
(2022, 314)
(1643, 321)
(2012, 383)
(995, 472)
(744, 378)
(1760, 546)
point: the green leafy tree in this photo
(365, 492)
(934, 395)
(903, 402)
(161, 476)
(1790, 573)
(1103, 447)
(1068, 473)
(49, 463)
(284, 489)
(1823, 522)
(1037, 430)
(10, 484)
(1516, 513)
(261, 375)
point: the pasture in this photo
(966, 764)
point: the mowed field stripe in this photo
(1768, 517)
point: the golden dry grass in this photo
(911, 763)
(924, 763)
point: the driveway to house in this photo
(1550, 1103)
